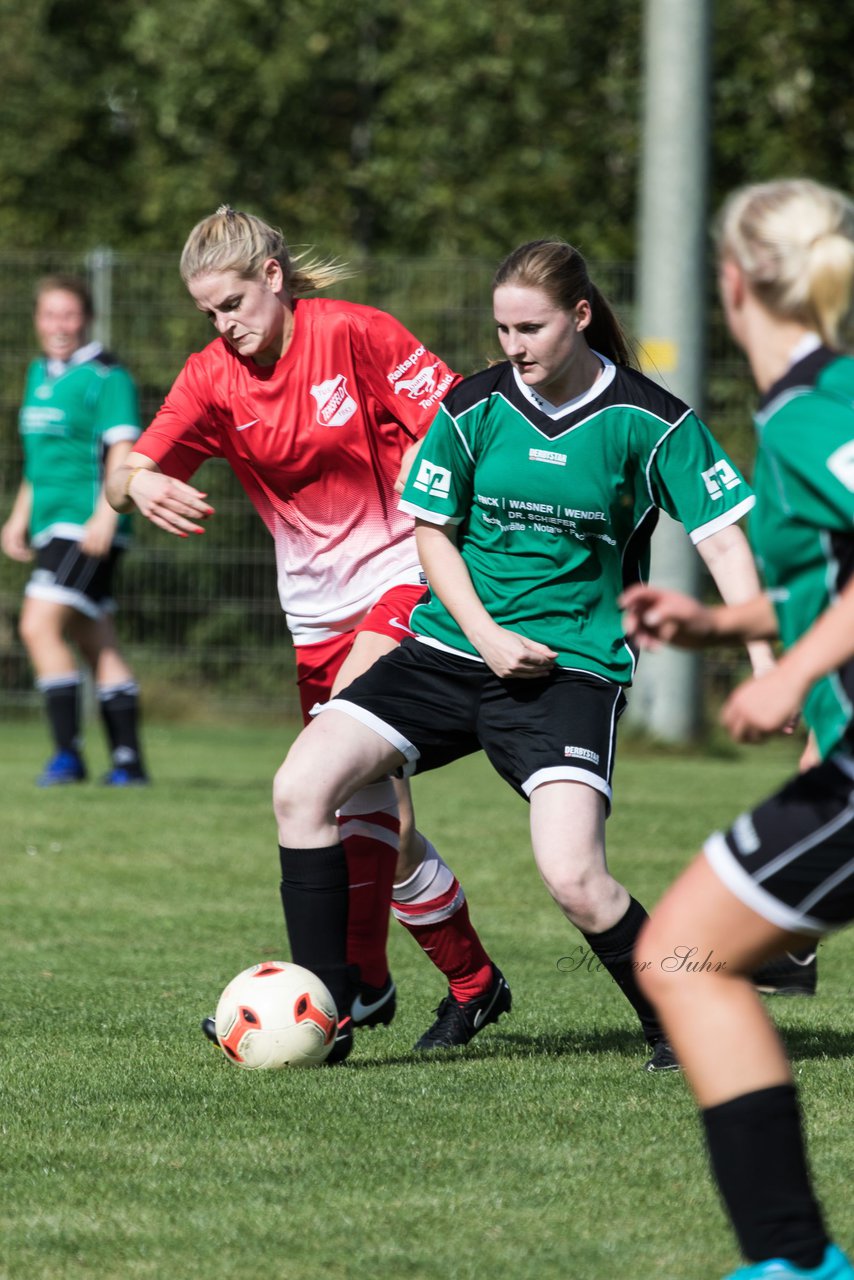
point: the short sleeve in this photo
(693, 480)
(441, 481)
(401, 373)
(181, 436)
(811, 446)
(117, 411)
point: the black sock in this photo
(615, 947)
(315, 895)
(119, 706)
(756, 1148)
(62, 704)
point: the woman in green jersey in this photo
(78, 421)
(535, 494)
(783, 873)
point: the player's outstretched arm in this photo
(762, 706)
(169, 503)
(653, 616)
(728, 558)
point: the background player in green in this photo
(535, 492)
(785, 871)
(78, 421)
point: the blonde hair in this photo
(794, 241)
(560, 272)
(229, 240)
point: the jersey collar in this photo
(56, 368)
(561, 410)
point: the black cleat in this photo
(343, 1043)
(792, 974)
(375, 1006)
(663, 1058)
(209, 1030)
(457, 1023)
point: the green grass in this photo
(131, 1148)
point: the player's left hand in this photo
(653, 616)
(764, 705)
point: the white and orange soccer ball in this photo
(276, 1014)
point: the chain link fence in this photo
(199, 618)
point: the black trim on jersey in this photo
(804, 373)
(842, 549)
(628, 388)
(106, 358)
(637, 548)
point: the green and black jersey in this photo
(556, 506)
(69, 417)
(802, 529)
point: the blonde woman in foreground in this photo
(784, 873)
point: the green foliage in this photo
(385, 128)
(134, 1151)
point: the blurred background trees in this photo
(382, 127)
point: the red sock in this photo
(432, 907)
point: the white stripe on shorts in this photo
(728, 869)
(387, 731)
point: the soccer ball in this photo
(276, 1014)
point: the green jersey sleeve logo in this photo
(432, 480)
(719, 477)
(841, 465)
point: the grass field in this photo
(132, 1148)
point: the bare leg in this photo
(720, 1031)
(568, 837)
(696, 957)
(43, 628)
(96, 639)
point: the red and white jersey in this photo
(316, 441)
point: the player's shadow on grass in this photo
(818, 1042)
(222, 786)
(801, 1044)
(516, 1045)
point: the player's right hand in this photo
(13, 540)
(512, 656)
(170, 504)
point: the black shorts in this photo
(435, 707)
(63, 573)
(792, 859)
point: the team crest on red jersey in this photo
(335, 405)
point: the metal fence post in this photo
(99, 265)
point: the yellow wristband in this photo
(134, 472)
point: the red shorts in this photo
(319, 664)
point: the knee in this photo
(291, 791)
(586, 898)
(670, 971)
(303, 791)
(31, 630)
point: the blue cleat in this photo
(834, 1266)
(120, 777)
(64, 767)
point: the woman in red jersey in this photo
(317, 406)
